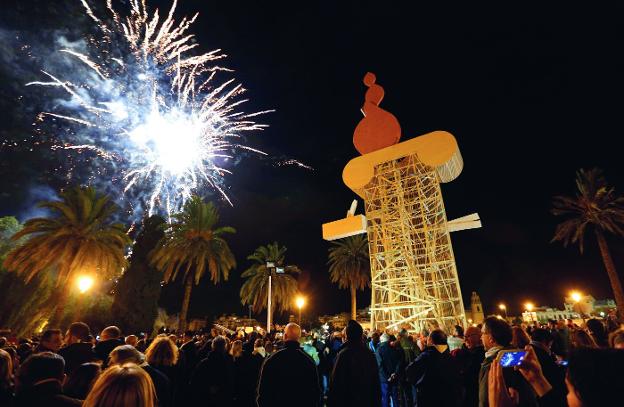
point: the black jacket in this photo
(48, 394)
(212, 383)
(247, 371)
(355, 379)
(289, 377)
(388, 361)
(76, 354)
(553, 373)
(436, 378)
(162, 385)
(104, 348)
(469, 363)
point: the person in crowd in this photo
(212, 383)
(6, 378)
(616, 339)
(435, 374)
(3, 342)
(561, 338)
(593, 379)
(373, 343)
(24, 349)
(581, 339)
(15, 360)
(236, 350)
(468, 360)
(496, 335)
(456, 341)
(259, 350)
(110, 338)
(408, 351)
(51, 341)
(354, 380)
(162, 354)
(388, 363)
(269, 348)
(247, 370)
(40, 380)
(519, 338)
(132, 340)
(79, 383)
(289, 375)
(129, 354)
(122, 385)
(541, 342)
(598, 332)
(78, 349)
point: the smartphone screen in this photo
(511, 359)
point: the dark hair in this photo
(519, 338)
(81, 380)
(41, 366)
(354, 331)
(541, 335)
(460, 330)
(219, 344)
(498, 329)
(49, 333)
(80, 330)
(598, 331)
(438, 337)
(596, 375)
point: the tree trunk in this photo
(616, 284)
(59, 301)
(353, 303)
(185, 304)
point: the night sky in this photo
(531, 92)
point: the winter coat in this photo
(76, 354)
(469, 363)
(436, 378)
(48, 394)
(103, 349)
(162, 385)
(388, 361)
(289, 377)
(212, 383)
(354, 380)
(247, 370)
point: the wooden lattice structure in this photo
(413, 273)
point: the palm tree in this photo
(349, 266)
(192, 245)
(254, 291)
(595, 207)
(79, 236)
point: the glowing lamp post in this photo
(529, 307)
(576, 297)
(300, 301)
(84, 284)
(503, 308)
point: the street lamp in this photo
(503, 308)
(270, 266)
(85, 283)
(576, 297)
(529, 307)
(300, 301)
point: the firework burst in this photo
(150, 107)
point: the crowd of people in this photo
(564, 365)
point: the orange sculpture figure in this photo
(379, 128)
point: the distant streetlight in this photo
(529, 307)
(577, 297)
(300, 301)
(503, 308)
(85, 283)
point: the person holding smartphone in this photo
(496, 337)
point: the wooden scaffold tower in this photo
(414, 278)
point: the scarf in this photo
(492, 351)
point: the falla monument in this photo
(413, 273)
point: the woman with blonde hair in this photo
(236, 351)
(125, 385)
(163, 355)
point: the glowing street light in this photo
(529, 307)
(85, 283)
(576, 297)
(300, 302)
(503, 308)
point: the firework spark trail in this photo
(153, 106)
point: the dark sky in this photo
(531, 92)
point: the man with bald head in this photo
(289, 376)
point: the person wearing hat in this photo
(354, 380)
